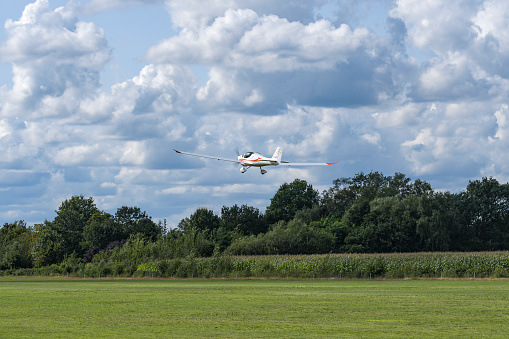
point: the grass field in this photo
(59, 307)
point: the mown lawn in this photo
(60, 307)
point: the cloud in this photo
(195, 14)
(301, 131)
(419, 88)
(17, 178)
(398, 117)
(242, 39)
(451, 78)
(491, 43)
(278, 45)
(497, 145)
(469, 43)
(260, 63)
(433, 24)
(56, 60)
(451, 138)
(97, 6)
(491, 21)
(502, 123)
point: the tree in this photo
(191, 242)
(485, 206)
(333, 226)
(438, 227)
(101, 230)
(202, 219)
(389, 226)
(10, 231)
(48, 246)
(221, 237)
(379, 211)
(131, 220)
(201, 232)
(72, 216)
(245, 219)
(15, 245)
(363, 188)
(337, 199)
(289, 199)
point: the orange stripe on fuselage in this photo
(255, 160)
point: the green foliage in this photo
(15, 245)
(72, 216)
(389, 226)
(100, 230)
(151, 269)
(135, 252)
(132, 221)
(193, 241)
(245, 220)
(71, 264)
(363, 188)
(438, 227)
(485, 204)
(249, 245)
(294, 237)
(334, 227)
(48, 247)
(221, 238)
(203, 219)
(289, 199)
(369, 213)
(341, 266)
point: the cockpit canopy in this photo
(247, 155)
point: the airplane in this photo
(255, 159)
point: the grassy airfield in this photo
(142, 308)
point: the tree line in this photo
(368, 213)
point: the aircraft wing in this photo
(207, 156)
(284, 163)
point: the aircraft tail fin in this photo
(278, 154)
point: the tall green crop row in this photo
(364, 266)
(357, 266)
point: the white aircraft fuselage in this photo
(255, 159)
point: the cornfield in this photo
(339, 266)
(363, 266)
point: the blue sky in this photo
(94, 96)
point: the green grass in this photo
(59, 307)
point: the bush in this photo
(294, 237)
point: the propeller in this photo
(243, 168)
(237, 151)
